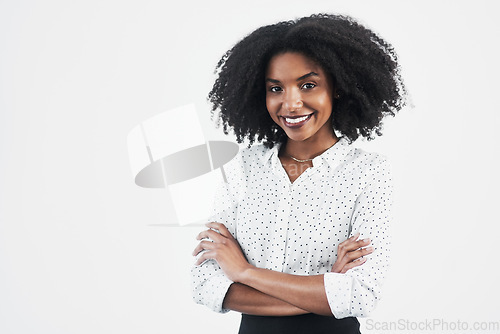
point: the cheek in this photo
(272, 105)
(323, 102)
(269, 102)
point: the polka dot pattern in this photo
(296, 227)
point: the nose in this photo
(292, 100)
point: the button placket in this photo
(282, 221)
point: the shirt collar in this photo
(270, 153)
(333, 156)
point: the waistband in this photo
(307, 323)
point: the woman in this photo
(283, 247)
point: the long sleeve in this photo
(356, 292)
(296, 227)
(208, 281)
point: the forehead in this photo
(290, 64)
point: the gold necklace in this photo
(299, 160)
(306, 160)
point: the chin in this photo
(297, 137)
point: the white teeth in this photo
(296, 120)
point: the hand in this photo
(223, 248)
(349, 254)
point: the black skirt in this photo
(299, 324)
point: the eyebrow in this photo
(310, 74)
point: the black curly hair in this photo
(362, 66)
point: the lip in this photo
(295, 125)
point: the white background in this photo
(84, 250)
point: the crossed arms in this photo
(260, 291)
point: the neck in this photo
(307, 149)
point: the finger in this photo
(221, 228)
(349, 246)
(353, 264)
(350, 240)
(204, 257)
(210, 234)
(203, 245)
(354, 236)
(359, 243)
(354, 255)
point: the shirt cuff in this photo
(338, 292)
(213, 293)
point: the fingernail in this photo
(367, 240)
(369, 249)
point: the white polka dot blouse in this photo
(296, 227)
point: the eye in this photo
(308, 85)
(275, 89)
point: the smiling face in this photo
(299, 97)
